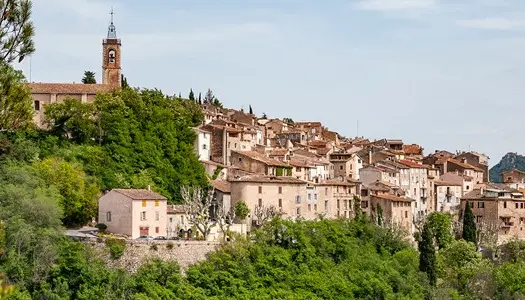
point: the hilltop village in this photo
(304, 170)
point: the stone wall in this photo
(185, 253)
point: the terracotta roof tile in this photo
(267, 179)
(446, 183)
(412, 164)
(176, 209)
(261, 158)
(221, 185)
(392, 197)
(413, 149)
(70, 88)
(140, 194)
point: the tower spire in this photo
(112, 32)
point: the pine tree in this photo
(209, 97)
(469, 225)
(123, 81)
(89, 77)
(17, 30)
(191, 96)
(427, 254)
(200, 101)
(251, 110)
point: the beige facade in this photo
(257, 163)
(336, 198)
(133, 212)
(346, 165)
(498, 206)
(395, 210)
(447, 196)
(288, 195)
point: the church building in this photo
(47, 93)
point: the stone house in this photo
(513, 176)
(301, 169)
(257, 163)
(286, 194)
(466, 182)
(224, 138)
(133, 212)
(177, 224)
(346, 165)
(371, 173)
(462, 167)
(395, 209)
(336, 198)
(447, 196)
(274, 126)
(222, 194)
(202, 144)
(476, 159)
(313, 130)
(296, 136)
(414, 181)
(497, 206)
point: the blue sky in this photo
(447, 74)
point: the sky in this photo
(446, 74)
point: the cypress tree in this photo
(251, 110)
(469, 225)
(191, 96)
(427, 254)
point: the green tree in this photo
(357, 208)
(288, 120)
(16, 30)
(191, 95)
(123, 81)
(251, 110)
(427, 254)
(79, 193)
(441, 228)
(89, 77)
(241, 210)
(379, 216)
(16, 105)
(469, 225)
(72, 119)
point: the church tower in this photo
(111, 69)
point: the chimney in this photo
(149, 188)
(369, 157)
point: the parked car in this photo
(145, 238)
(160, 238)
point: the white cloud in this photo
(492, 23)
(395, 5)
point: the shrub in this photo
(101, 227)
(241, 210)
(116, 247)
(154, 247)
(169, 245)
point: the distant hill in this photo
(510, 161)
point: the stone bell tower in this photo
(111, 69)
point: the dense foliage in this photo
(469, 225)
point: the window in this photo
(171, 220)
(298, 199)
(157, 216)
(504, 204)
(309, 196)
(298, 169)
(280, 203)
(182, 219)
(340, 167)
(280, 190)
(260, 190)
(143, 216)
(235, 146)
(326, 205)
(325, 191)
(517, 205)
(143, 203)
(481, 204)
(260, 202)
(298, 211)
(521, 205)
(338, 204)
(204, 146)
(309, 207)
(240, 159)
(37, 105)
(156, 202)
(229, 144)
(406, 213)
(108, 216)
(315, 196)
(468, 187)
(315, 207)
(157, 229)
